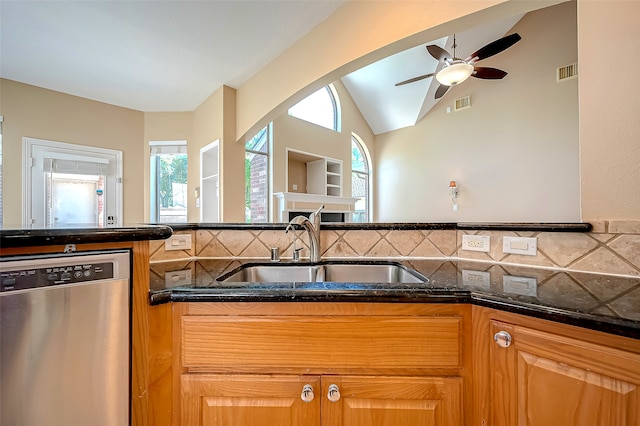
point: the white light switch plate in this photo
(476, 243)
(520, 245)
(178, 242)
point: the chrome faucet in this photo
(312, 226)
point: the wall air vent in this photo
(567, 72)
(462, 103)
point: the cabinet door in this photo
(248, 400)
(542, 379)
(392, 401)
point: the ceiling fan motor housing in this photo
(455, 73)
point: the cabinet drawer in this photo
(321, 342)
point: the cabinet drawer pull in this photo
(334, 393)
(307, 393)
(503, 339)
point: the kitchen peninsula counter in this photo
(599, 302)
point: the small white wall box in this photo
(520, 245)
(476, 242)
(178, 242)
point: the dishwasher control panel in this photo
(55, 275)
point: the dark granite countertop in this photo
(45, 237)
(599, 302)
(395, 226)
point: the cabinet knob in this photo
(503, 339)
(334, 393)
(307, 393)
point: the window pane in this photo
(358, 158)
(171, 196)
(74, 200)
(318, 108)
(259, 142)
(360, 190)
(256, 188)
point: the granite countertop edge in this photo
(10, 238)
(402, 226)
(620, 327)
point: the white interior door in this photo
(69, 186)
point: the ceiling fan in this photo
(456, 70)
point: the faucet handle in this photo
(275, 254)
(296, 255)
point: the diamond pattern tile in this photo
(601, 251)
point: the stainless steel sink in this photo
(275, 273)
(387, 272)
(371, 273)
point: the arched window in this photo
(360, 179)
(321, 107)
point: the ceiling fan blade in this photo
(441, 91)
(414, 79)
(438, 52)
(488, 73)
(496, 47)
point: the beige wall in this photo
(513, 154)
(608, 41)
(608, 108)
(214, 120)
(31, 111)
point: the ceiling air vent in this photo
(462, 103)
(567, 72)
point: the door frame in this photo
(28, 145)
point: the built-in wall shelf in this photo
(313, 174)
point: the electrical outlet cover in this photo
(476, 243)
(480, 279)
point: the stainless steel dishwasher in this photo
(64, 339)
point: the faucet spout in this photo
(312, 226)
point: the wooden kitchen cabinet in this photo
(265, 400)
(543, 374)
(387, 364)
(244, 400)
(392, 401)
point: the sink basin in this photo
(387, 272)
(371, 273)
(274, 274)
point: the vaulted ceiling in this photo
(171, 55)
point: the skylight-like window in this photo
(321, 108)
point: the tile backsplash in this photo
(612, 247)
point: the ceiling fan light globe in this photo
(454, 74)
